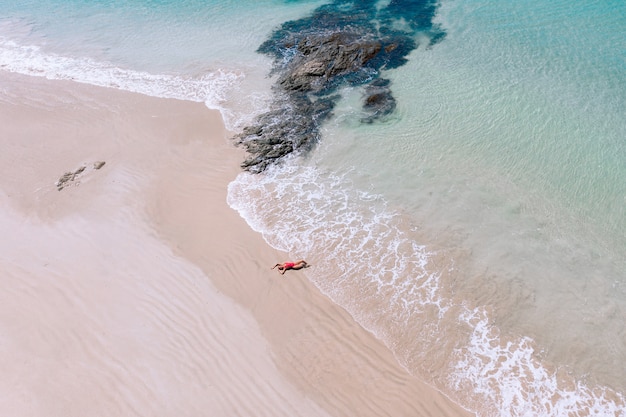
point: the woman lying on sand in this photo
(290, 265)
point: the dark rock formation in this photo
(73, 177)
(68, 178)
(292, 125)
(323, 58)
(345, 42)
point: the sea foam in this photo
(367, 260)
(212, 87)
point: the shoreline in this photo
(139, 291)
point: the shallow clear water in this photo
(487, 215)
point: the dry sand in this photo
(136, 290)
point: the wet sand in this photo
(131, 288)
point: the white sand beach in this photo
(135, 290)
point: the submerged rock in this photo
(378, 100)
(344, 42)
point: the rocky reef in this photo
(341, 43)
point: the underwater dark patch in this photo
(340, 43)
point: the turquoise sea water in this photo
(487, 213)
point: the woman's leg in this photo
(299, 264)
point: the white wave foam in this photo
(508, 379)
(361, 253)
(365, 261)
(211, 88)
